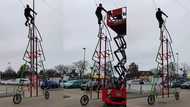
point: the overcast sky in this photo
(67, 26)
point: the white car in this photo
(25, 81)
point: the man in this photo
(159, 17)
(27, 14)
(99, 13)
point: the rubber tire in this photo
(84, 100)
(46, 95)
(17, 99)
(151, 99)
(177, 96)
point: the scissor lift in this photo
(117, 22)
(165, 69)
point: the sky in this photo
(68, 26)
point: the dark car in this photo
(49, 84)
(72, 84)
(177, 83)
(185, 85)
(87, 85)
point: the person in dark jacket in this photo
(99, 13)
(27, 14)
(159, 17)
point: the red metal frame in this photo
(34, 56)
(164, 57)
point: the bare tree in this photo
(62, 69)
(81, 66)
(133, 70)
(9, 74)
(185, 68)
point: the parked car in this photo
(87, 85)
(177, 83)
(23, 81)
(185, 85)
(61, 83)
(72, 84)
(49, 84)
(135, 82)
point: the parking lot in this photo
(137, 102)
(71, 98)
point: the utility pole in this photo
(84, 64)
(35, 50)
(177, 54)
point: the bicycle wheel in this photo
(84, 100)
(177, 95)
(151, 99)
(17, 99)
(46, 94)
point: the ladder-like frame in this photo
(165, 69)
(34, 55)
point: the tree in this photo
(133, 70)
(1, 75)
(62, 69)
(52, 73)
(23, 71)
(172, 70)
(81, 66)
(43, 74)
(9, 74)
(185, 68)
(74, 74)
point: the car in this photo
(4, 82)
(22, 81)
(135, 82)
(72, 84)
(49, 84)
(177, 83)
(185, 85)
(87, 85)
(61, 83)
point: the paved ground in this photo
(138, 102)
(57, 100)
(166, 102)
